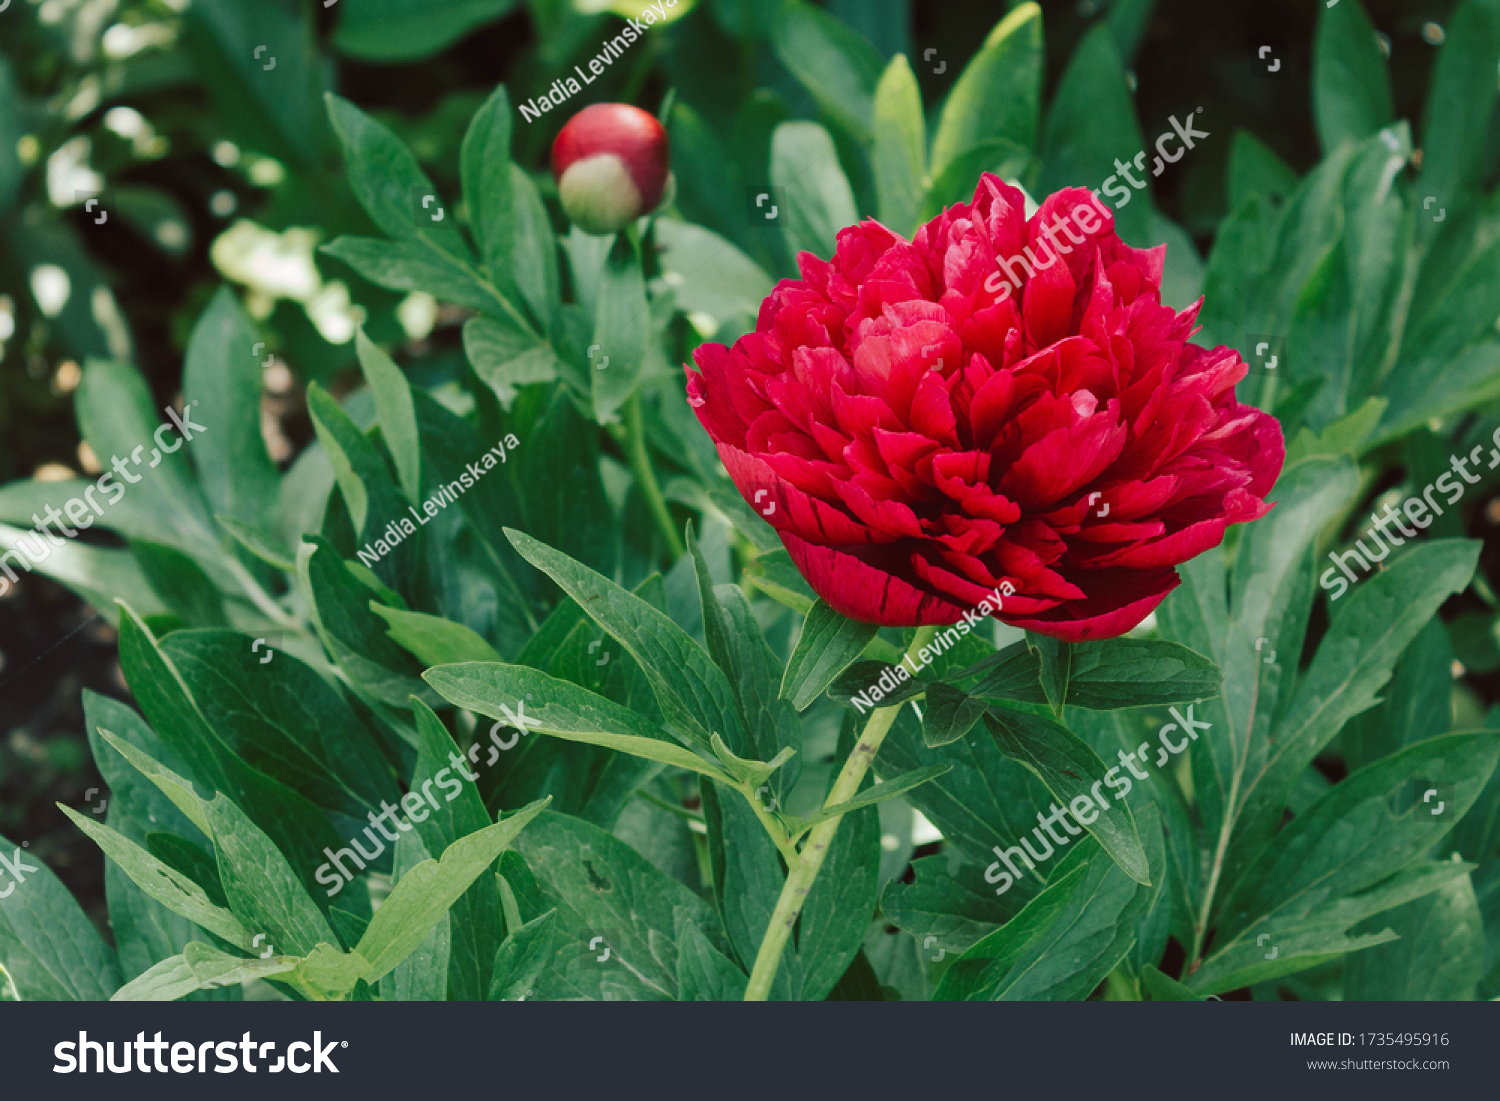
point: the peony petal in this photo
(1124, 598)
(867, 593)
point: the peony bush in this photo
(820, 577)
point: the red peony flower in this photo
(923, 426)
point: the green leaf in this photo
(1266, 616)
(1068, 938)
(263, 890)
(776, 576)
(1103, 675)
(622, 328)
(1351, 88)
(957, 181)
(704, 974)
(748, 771)
(450, 445)
(533, 252)
(900, 153)
(1353, 662)
(876, 793)
(1111, 734)
(1438, 957)
(475, 923)
(1366, 827)
(521, 958)
(191, 859)
(423, 975)
(389, 184)
(12, 129)
(406, 30)
(708, 274)
(819, 202)
(955, 909)
(833, 62)
(485, 164)
(1128, 20)
(1091, 124)
(1073, 773)
(48, 947)
(1264, 257)
(1161, 988)
(375, 503)
(145, 931)
(949, 714)
(176, 788)
(1348, 433)
(282, 718)
(412, 265)
(432, 639)
(748, 878)
(1056, 665)
(265, 545)
(602, 888)
(860, 686)
(279, 116)
(706, 172)
(738, 648)
(1183, 270)
(332, 972)
(1414, 705)
(986, 800)
(1459, 104)
(393, 405)
(1356, 852)
(181, 583)
(999, 93)
(94, 573)
(1255, 169)
(117, 417)
(827, 646)
(566, 711)
(168, 886)
(507, 356)
(199, 967)
(695, 696)
(588, 781)
(378, 669)
(292, 822)
(222, 372)
(564, 501)
(426, 892)
(841, 904)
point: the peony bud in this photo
(611, 164)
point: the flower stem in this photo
(803, 871)
(640, 463)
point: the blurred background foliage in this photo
(151, 150)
